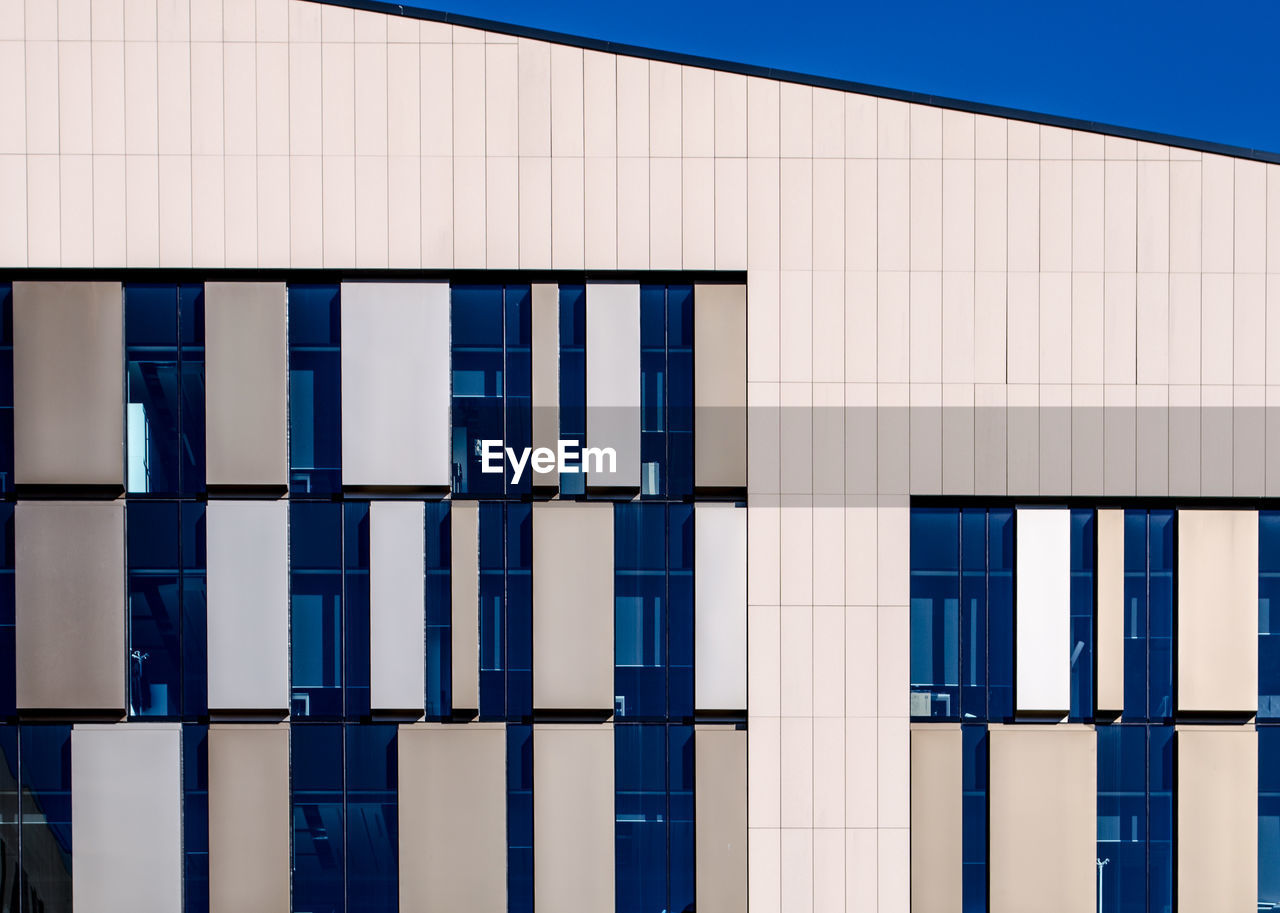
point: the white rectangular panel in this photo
(126, 793)
(248, 553)
(1043, 610)
(395, 384)
(397, 605)
(720, 601)
(613, 380)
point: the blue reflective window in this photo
(666, 391)
(164, 415)
(935, 612)
(654, 811)
(6, 388)
(1268, 817)
(355, 606)
(44, 777)
(1083, 528)
(1135, 818)
(1269, 615)
(8, 616)
(195, 818)
(506, 611)
(315, 576)
(439, 611)
(316, 757)
(573, 379)
(973, 817)
(372, 848)
(492, 384)
(315, 389)
(519, 818)
(1148, 622)
(166, 586)
(1000, 647)
(10, 863)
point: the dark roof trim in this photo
(843, 85)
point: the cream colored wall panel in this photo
(106, 19)
(697, 112)
(206, 99)
(860, 316)
(958, 326)
(1023, 216)
(926, 327)
(1273, 218)
(957, 134)
(567, 88)
(665, 242)
(1249, 442)
(1217, 610)
(1152, 333)
(404, 210)
(730, 228)
(397, 658)
(664, 108)
(1184, 216)
(1043, 609)
(1023, 140)
(828, 214)
(991, 187)
(1110, 613)
(763, 661)
(568, 202)
(175, 210)
(240, 98)
(860, 756)
(1250, 233)
(1153, 216)
(437, 212)
(206, 21)
(238, 20)
(272, 108)
(926, 214)
(1055, 142)
(599, 104)
(241, 210)
(371, 212)
(501, 100)
(305, 98)
(764, 868)
(925, 459)
(990, 435)
(1217, 838)
(721, 813)
(1043, 842)
(1249, 349)
(926, 131)
(42, 97)
(829, 642)
(66, 20)
(893, 438)
(600, 182)
(730, 112)
(1217, 208)
(306, 212)
(142, 91)
(1184, 329)
(828, 332)
(1120, 228)
(957, 438)
(1119, 438)
(632, 106)
(796, 586)
(958, 214)
(337, 25)
(893, 192)
(828, 123)
(1152, 440)
(75, 198)
(1022, 434)
(892, 591)
(142, 206)
(13, 219)
(990, 137)
(796, 771)
(174, 98)
(795, 336)
(535, 212)
(272, 20)
(370, 27)
(1273, 328)
(1216, 441)
(436, 69)
(720, 591)
(936, 818)
(208, 238)
(797, 869)
(469, 192)
(1119, 330)
(1077, 411)
(860, 214)
(720, 329)
(464, 579)
(1023, 333)
(573, 822)
(1056, 188)
(75, 94)
(763, 538)
(371, 102)
(1184, 440)
(893, 773)
(404, 101)
(763, 214)
(13, 103)
(534, 96)
(502, 198)
(14, 20)
(338, 98)
(796, 225)
(633, 213)
(1216, 328)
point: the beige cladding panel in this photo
(453, 817)
(546, 374)
(249, 850)
(1043, 819)
(573, 819)
(1217, 834)
(464, 581)
(573, 610)
(937, 790)
(68, 383)
(246, 376)
(1110, 648)
(69, 582)
(720, 818)
(1217, 611)
(720, 385)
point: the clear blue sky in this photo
(1207, 70)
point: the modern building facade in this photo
(933, 570)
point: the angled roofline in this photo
(824, 82)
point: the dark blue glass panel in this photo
(316, 753)
(316, 627)
(6, 388)
(1160, 849)
(640, 617)
(355, 607)
(1268, 817)
(45, 782)
(195, 818)
(519, 818)
(519, 612)
(680, 805)
(1269, 615)
(10, 865)
(154, 389)
(1135, 615)
(155, 607)
(1082, 570)
(680, 611)
(653, 390)
(1160, 616)
(493, 647)
(372, 847)
(640, 769)
(315, 389)
(518, 415)
(1122, 818)
(191, 356)
(935, 613)
(439, 653)
(1000, 615)
(973, 816)
(973, 613)
(8, 615)
(195, 612)
(478, 326)
(573, 378)
(679, 482)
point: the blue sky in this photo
(1207, 70)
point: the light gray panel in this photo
(68, 383)
(613, 379)
(720, 819)
(1056, 448)
(1022, 433)
(397, 605)
(720, 594)
(246, 379)
(248, 554)
(1043, 603)
(249, 829)
(126, 792)
(720, 385)
(69, 581)
(573, 819)
(990, 450)
(1109, 649)
(1120, 440)
(546, 374)
(464, 532)
(453, 817)
(395, 384)
(573, 610)
(1085, 444)
(936, 818)
(926, 449)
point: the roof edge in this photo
(808, 79)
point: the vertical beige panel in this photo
(1043, 819)
(249, 860)
(70, 605)
(573, 607)
(246, 373)
(453, 817)
(68, 380)
(464, 579)
(720, 816)
(1110, 648)
(720, 386)
(1217, 835)
(1217, 611)
(937, 788)
(573, 823)
(546, 374)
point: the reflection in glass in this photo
(45, 778)
(315, 389)
(654, 817)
